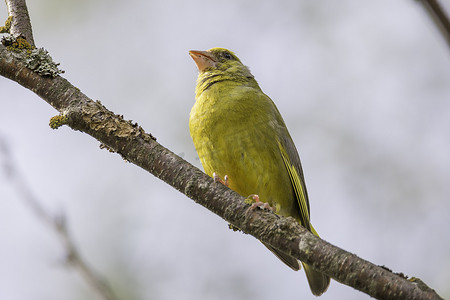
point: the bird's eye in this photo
(227, 55)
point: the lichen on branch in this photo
(42, 63)
(36, 59)
(7, 27)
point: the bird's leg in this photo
(218, 179)
(255, 202)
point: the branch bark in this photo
(21, 25)
(129, 140)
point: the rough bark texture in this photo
(21, 25)
(140, 148)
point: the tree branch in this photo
(21, 25)
(129, 140)
(439, 16)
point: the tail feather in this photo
(318, 282)
(290, 261)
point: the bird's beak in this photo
(203, 59)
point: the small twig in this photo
(21, 25)
(439, 17)
(56, 223)
(96, 282)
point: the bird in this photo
(240, 136)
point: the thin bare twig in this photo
(56, 223)
(439, 17)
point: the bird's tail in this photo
(318, 282)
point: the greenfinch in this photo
(240, 136)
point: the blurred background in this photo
(364, 87)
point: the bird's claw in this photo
(255, 202)
(218, 179)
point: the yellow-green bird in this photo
(239, 134)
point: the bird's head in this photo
(218, 59)
(214, 58)
(219, 65)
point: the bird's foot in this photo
(218, 179)
(255, 202)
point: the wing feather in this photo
(298, 185)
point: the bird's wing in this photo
(293, 166)
(291, 160)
